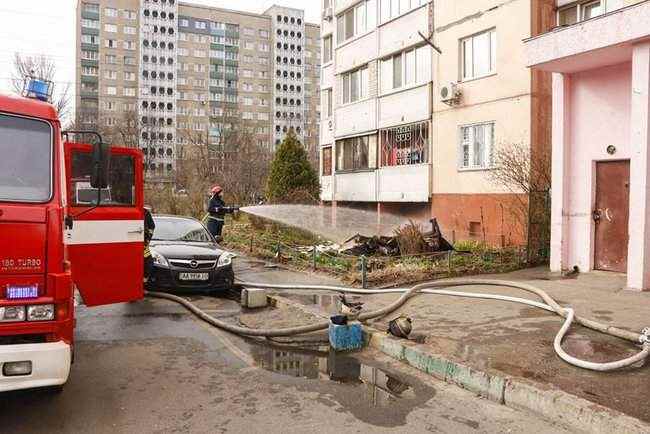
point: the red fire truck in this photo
(71, 217)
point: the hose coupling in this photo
(645, 336)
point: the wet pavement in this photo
(152, 367)
(514, 340)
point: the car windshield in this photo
(26, 162)
(180, 229)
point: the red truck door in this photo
(104, 243)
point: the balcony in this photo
(402, 32)
(356, 186)
(356, 118)
(410, 183)
(405, 106)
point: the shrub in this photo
(292, 179)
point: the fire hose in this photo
(435, 287)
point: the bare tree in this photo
(42, 68)
(529, 177)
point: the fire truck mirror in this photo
(101, 166)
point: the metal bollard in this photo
(364, 269)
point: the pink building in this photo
(600, 60)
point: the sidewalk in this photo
(517, 340)
(505, 341)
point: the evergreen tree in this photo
(292, 179)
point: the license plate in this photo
(194, 276)
(22, 292)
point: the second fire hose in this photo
(436, 288)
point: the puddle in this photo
(371, 394)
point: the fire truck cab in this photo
(56, 237)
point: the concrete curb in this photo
(553, 404)
(550, 403)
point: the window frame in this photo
(493, 45)
(579, 10)
(328, 54)
(417, 80)
(363, 92)
(488, 153)
(343, 21)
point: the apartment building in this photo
(412, 131)
(183, 72)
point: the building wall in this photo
(599, 116)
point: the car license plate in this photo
(22, 292)
(194, 276)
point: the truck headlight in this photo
(159, 259)
(40, 312)
(225, 259)
(12, 313)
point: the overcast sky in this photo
(48, 27)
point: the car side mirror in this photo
(101, 162)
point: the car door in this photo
(104, 243)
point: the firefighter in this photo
(217, 211)
(149, 227)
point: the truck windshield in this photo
(25, 159)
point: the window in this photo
(579, 12)
(327, 161)
(264, 47)
(129, 76)
(248, 101)
(478, 54)
(264, 60)
(199, 53)
(91, 7)
(90, 39)
(110, 12)
(327, 49)
(249, 45)
(355, 85)
(89, 55)
(128, 60)
(184, 22)
(26, 165)
(128, 15)
(262, 74)
(327, 103)
(111, 90)
(248, 115)
(247, 87)
(263, 116)
(264, 34)
(356, 21)
(110, 43)
(247, 73)
(129, 30)
(406, 69)
(352, 153)
(129, 45)
(110, 75)
(110, 28)
(394, 8)
(248, 31)
(476, 142)
(89, 70)
(109, 105)
(199, 25)
(121, 180)
(91, 24)
(404, 145)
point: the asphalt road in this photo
(150, 367)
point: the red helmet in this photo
(216, 189)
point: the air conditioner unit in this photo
(450, 93)
(327, 14)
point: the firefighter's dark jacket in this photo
(217, 207)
